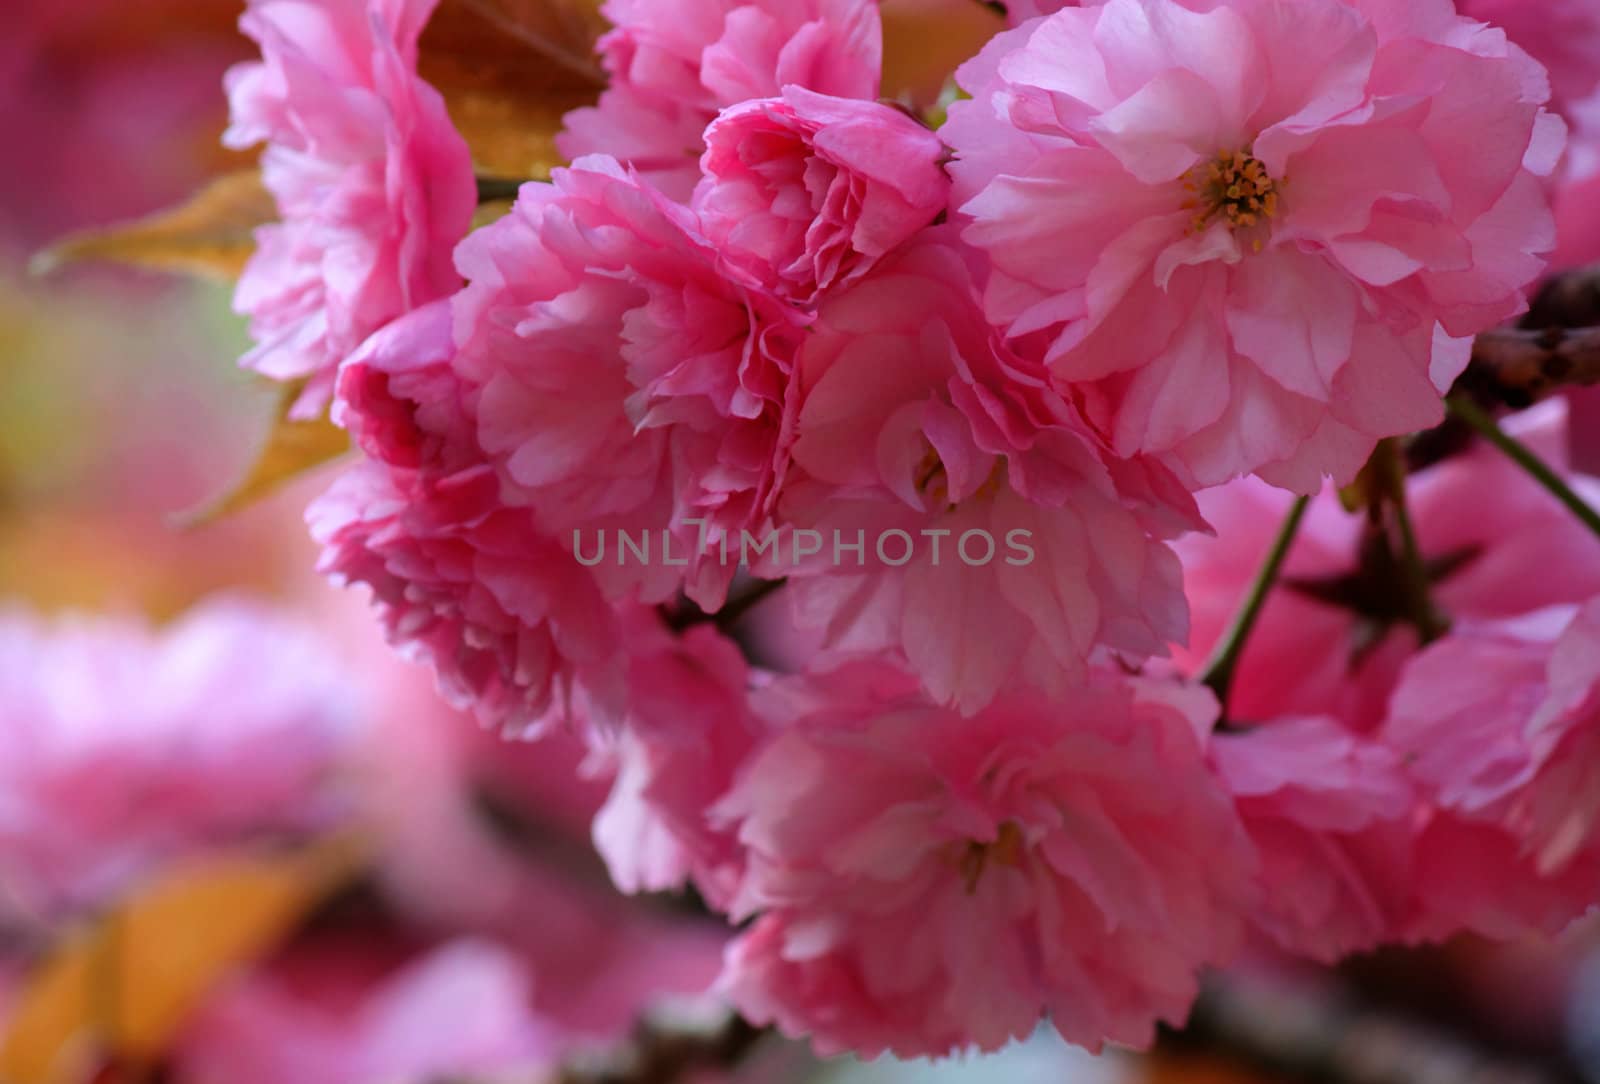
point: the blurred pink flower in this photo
(474, 586)
(460, 1009)
(1563, 35)
(128, 749)
(812, 191)
(997, 544)
(1503, 724)
(1500, 726)
(926, 882)
(1248, 240)
(674, 64)
(374, 185)
(1331, 816)
(1332, 637)
(482, 837)
(1020, 11)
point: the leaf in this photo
(123, 988)
(509, 71)
(213, 234)
(924, 41)
(293, 447)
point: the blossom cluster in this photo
(1159, 266)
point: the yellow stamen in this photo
(1006, 850)
(1235, 188)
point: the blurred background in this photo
(438, 914)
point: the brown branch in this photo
(1570, 299)
(1516, 367)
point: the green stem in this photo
(1475, 416)
(1219, 669)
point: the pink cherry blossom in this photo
(674, 64)
(1020, 11)
(1500, 726)
(814, 190)
(1332, 639)
(1503, 723)
(504, 613)
(374, 186)
(1330, 814)
(473, 834)
(926, 882)
(998, 544)
(1251, 240)
(1563, 35)
(689, 731)
(461, 1009)
(631, 378)
(127, 749)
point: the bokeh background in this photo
(449, 921)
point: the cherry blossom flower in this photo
(1252, 240)
(1503, 723)
(461, 1008)
(814, 190)
(127, 748)
(1563, 35)
(927, 883)
(1330, 814)
(631, 378)
(689, 732)
(674, 64)
(996, 543)
(1333, 637)
(463, 580)
(374, 185)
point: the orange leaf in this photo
(123, 988)
(509, 70)
(924, 41)
(213, 234)
(293, 447)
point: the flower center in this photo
(1006, 850)
(1235, 188)
(934, 484)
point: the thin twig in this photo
(1219, 669)
(1479, 419)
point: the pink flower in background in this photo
(917, 420)
(953, 880)
(480, 837)
(128, 749)
(675, 64)
(1020, 11)
(502, 610)
(463, 1008)
(1333, 637)
(1250, 240)
(1563, 35)
(373, 183)
(1330, 814)
(631, 379)
(1498, 724)
(1502, 724)
(812, 190)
